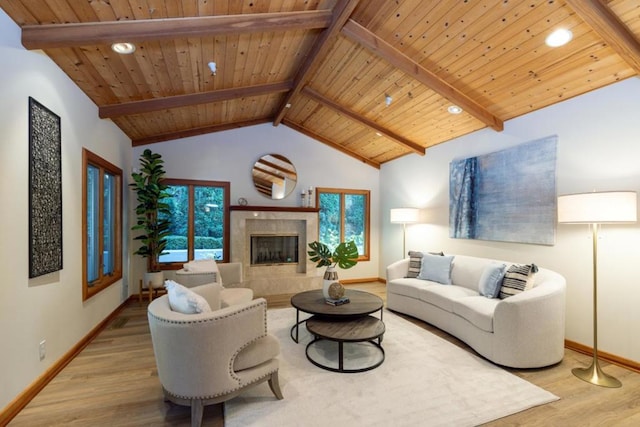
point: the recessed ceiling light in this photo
(123, 48)
(454, 109)
(213, 67)
(559, 37)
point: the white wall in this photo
(49, 307)
(230, 155)
(598, 149)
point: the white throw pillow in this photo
(436, 268)
(491, 280)
(184, 300)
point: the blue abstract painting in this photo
(507, 196)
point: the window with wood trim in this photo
(344, 216)
(101, 224)
(199, 222)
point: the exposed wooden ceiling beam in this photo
(84, 34)
(280, 170)
(404, 142)
(341, 13)
(380, 47)
(598, 15)
(198, 131)
(148, 105)
(263, 185)
(330, 143)
(271, 176)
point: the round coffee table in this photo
(360, 304)
(365, 330)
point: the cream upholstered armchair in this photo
(228, 275)
(210, 357)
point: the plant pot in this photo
(330, 276)
(154, 280)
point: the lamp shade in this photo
(404, 215)
(598, 207)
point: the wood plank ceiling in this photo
(327, 67)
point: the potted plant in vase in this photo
(152, 215)
(344, 256)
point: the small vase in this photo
(330, 276)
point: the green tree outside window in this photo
(343, 217)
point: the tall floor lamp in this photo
(404, 216)
(595, 209)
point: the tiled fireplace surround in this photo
(275, 279)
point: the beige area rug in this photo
(424, 381)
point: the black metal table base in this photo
(296, 327)
(341, 344)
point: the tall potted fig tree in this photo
(152, 214)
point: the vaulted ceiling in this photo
(371, 78)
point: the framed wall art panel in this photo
(507, 196)
(45, 190)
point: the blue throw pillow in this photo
(415, 262)
(436, 268)
(491, 280)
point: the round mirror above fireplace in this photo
(274, 176)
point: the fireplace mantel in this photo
(272, 208)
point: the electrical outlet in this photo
(42, 349)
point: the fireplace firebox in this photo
(274, 249)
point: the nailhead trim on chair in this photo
(162, 319)
(226, 391)
(233, 358)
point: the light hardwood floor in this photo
(113, 382)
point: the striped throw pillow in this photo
(415, 262)
(517, 279)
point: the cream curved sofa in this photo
(521, 331)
